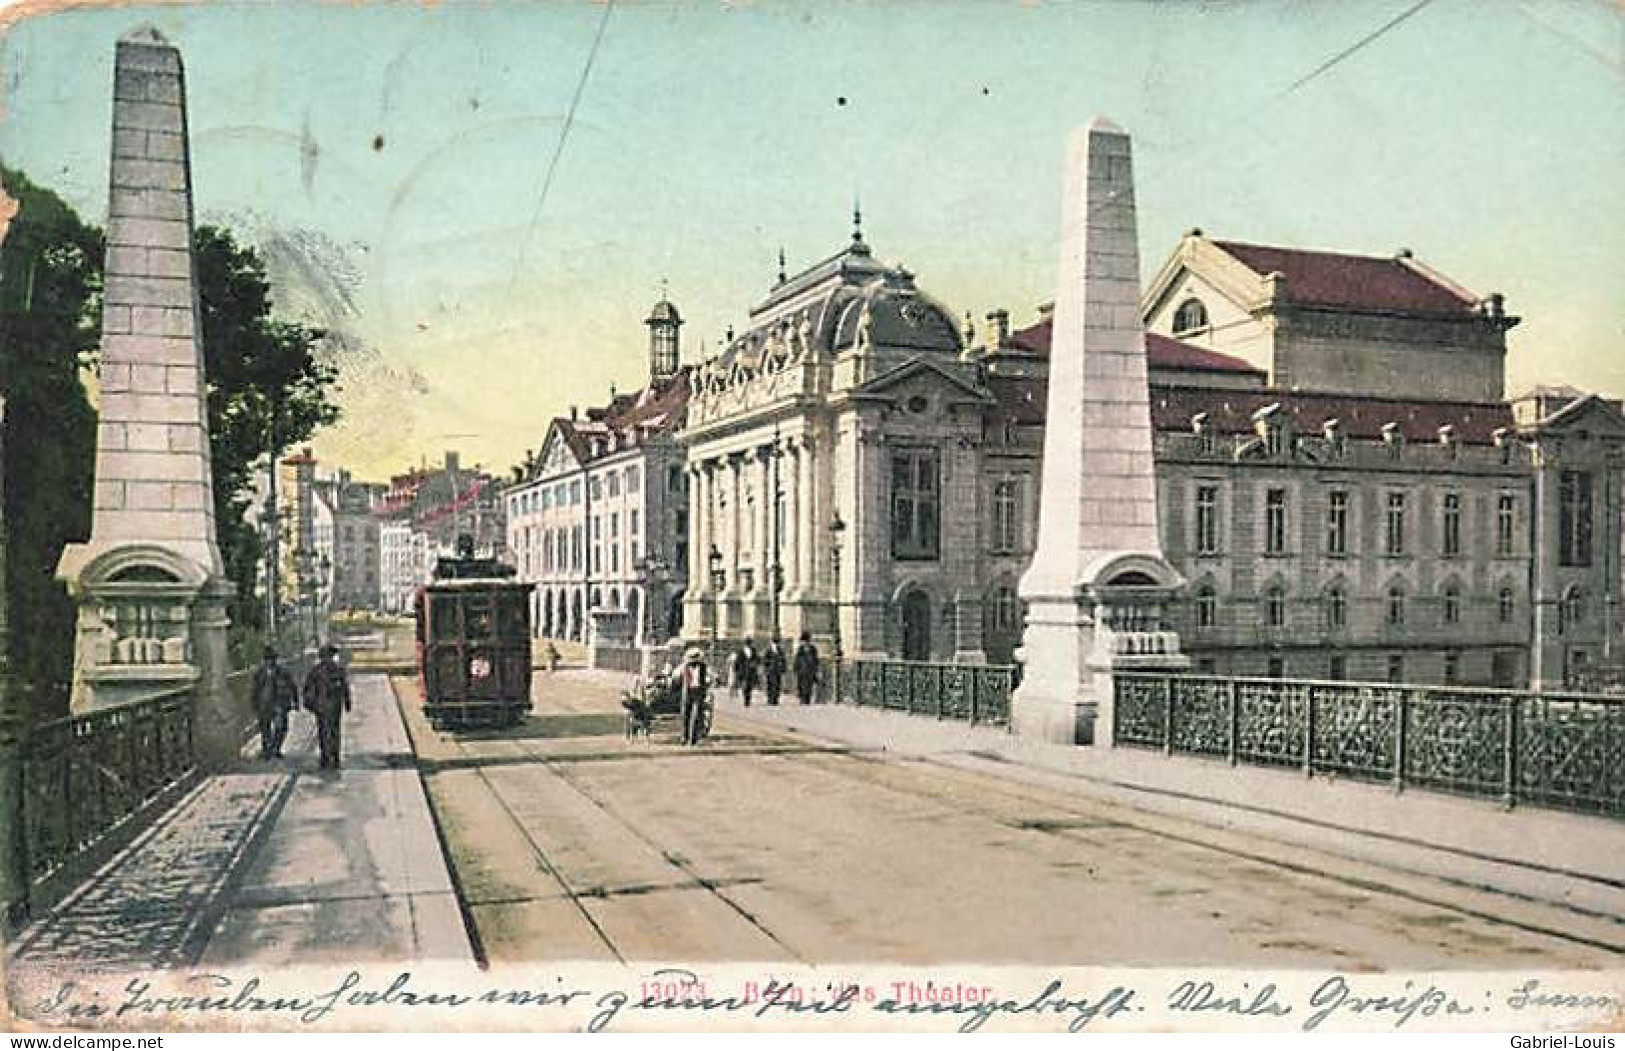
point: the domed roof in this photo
(664, 311)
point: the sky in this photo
(488, 197)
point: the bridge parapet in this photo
(1565, 751)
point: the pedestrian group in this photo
(326, 696)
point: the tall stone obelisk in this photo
(149, 584)
(1098, 571)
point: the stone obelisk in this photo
(1099, 566)
(149, 583)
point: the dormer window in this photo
(1448, 439)
(1202, 427)
(1393, 440)
(1190, 317)
(1332, 432)
(1270, 423)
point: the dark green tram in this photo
(473, 642)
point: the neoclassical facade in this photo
(834, 458)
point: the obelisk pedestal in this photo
(1098, 581)
(149, 584)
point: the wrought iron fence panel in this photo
(1355, 729)
(1457, 741)
(896, 678)
(85, 774)
(1555, 750)
(1202, 726)
(997, 683)
(1271, 720)
(870, 684)
(972, 692)
(1571, 753)
(958, 687)
(1140, 710)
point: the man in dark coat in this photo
(773, 666)
(275, 695)
(748, 670)
(806, 661)
(693, 690)
(327, 696)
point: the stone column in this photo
(697, 584)
(153, 519)
(792, 522)
(1098, 505)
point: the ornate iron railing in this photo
(1556, 750)
(84, 775)
(975, 693)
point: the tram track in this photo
(999, 801)
(1088, 819)
(578, 897)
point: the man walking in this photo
(275, 695)
(694, 687)
(327, 696)
(773, 665)
(806, 661)
(747, 670)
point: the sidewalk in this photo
(1570, 861)
(275, 863)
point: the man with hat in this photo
(275, 695)
(693, 689)
(327, 697)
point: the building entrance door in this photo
(916, 626)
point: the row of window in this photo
(1337, 668)
(568, 494)
(561, 548)
(1334, 603)
(1339, 536)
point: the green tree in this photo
(50, 297)
(269, 388)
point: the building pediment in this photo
(1196, 256)
(921, 376)
(557, 455)
(1588, 412)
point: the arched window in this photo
(1396, 606)
(1506, 604)
(1452, 604)
(1275, 606)
(1190, 317)
(1337, 608)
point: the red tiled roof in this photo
(1165, 352)
(656, 407)
(1161, 352)
(1024, 400)
(1231, 412)
(1353, 281)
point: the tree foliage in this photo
(50, 294)
(269, 388)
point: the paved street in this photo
(571, 842)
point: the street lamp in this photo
(719, 578)
(836, 528)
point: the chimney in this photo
(574, 414)
(998, 329)
(451, 461)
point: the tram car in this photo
(473, 643)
